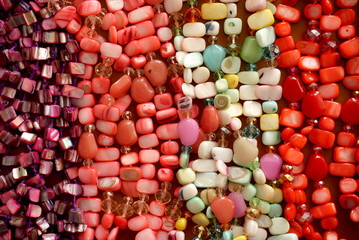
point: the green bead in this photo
(227, 235)
(249, 191)
(213, 56)
(251, 51)
(260, 204)
(184, 159)
(221, 85)
(254, 165)
(275, 210)
(192, 3)
(218, 75)
(233, 49)
(222, 101)
(177, 31)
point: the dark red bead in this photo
(349, 113)
(317, 167)
(293, 88)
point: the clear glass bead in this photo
(271, 52)
(251, 67)
(251, 132)
(103, 71)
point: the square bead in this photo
(269, 122)
(270, 106)
(231, 10)
(212, 28)
(221, 85)
(252, 109)
(270, 138)
(248, 92)
(233, 94)
(233, 26)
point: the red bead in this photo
(342, 169)
(332, 109)
(308, 48)
(349, 201)
(350, 107)
(291, 118)
(313, 105)
(330, 235)
(327, 7)
(282, 29)
(309, 63)
(346, 32)
(350, 48)
(290, 211)
(329, 223)
(352, 66)
(317, 167)
(285, 43)
(309, 77)
(210, 119)
(293, 156)
(345, 154)
(347, 16)
(284, 148)
(298, 140)
(345, 139)
(329, 91)
(351, 82)
(346, 3)
(322, 138)
(323, 211)
(329, 59)
(321, 195)
(300, 181)
(332, 74)
(287, 13)
(287, 133)
(288, 59)
(348, 185)
(295, 228)
(293, 88)
(120, 222)
(326, 123)
(354, 214)
(329, 23)
(300, 196)
(315, 236)
(313, 11)
(176, 84)
(288, 194)
(308, 230)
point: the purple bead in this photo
(15, 34)
(70, 113)
(27, 85)
(73, 92)
(8, 114)
(49, 24)
(73, 189)
(271, 165)
(38, 145)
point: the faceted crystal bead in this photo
(233, 49)
(312, 34)
(271, 52)
(103, 70)
(176, 19)
(251, 67)
(192, 15)
(251, 132)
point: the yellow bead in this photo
(260, 19)
(269, 122)
(214, 11)
(278, 196)
(181, 224)
(200, 219)
(232, 80)
(240, 238)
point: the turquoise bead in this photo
(213, 56)
(251, 51)
(275, 210)
(227, 235)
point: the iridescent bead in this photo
(251, 67)
(271, 52)
(251, 131)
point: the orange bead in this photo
(329, 91)
(332, 74)
(87, 146)
(282, 29)
(346, 32)
(329, 59)
(321, 195)
(290, 211)
(324, 210)
(288, 59)
(309, 77)
(300, 181)
(210, 119)
(308, 48)
(298, 140)
(288, 194)
(291, 118)
(126, 133)
(293, 156)
(349, 201)
(332, 109)
(345, 154)
(322, 138)
(285, 43)
(345, 139)
(309, 63)
(295, 228)
(329, 223)
(287, 133)
(300, 196)
(349, 48)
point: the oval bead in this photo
(87, 146)
(188, 131)
(210, 119)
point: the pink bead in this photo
(165, 175)
(129, 189)
(88, 175)
(146, 186)
(106, 99)
(160, 20)
(106, 112)
(144, 126)
(88, 8)
(148, 171)
(157, 209)
(88, 72)
(126, 35)
(109, 184)
(163, 101)
(74, 25)
(112, 34)
(148, 141)
(133, 48)
(149, 156)
(167, 50)
(107, 154)
(91, 219)
(114, 5)
(108, 20)
(164, 34)
(72, 173)
(140, 14)
(121, 63)
(144, 29)
(130, 5)
(89, 190)
(168, 131)
(101, 39)
(113, 234)
(89, 45)
(121, 19)
(87, 100)
(130, 173)
(122, 103)
(64, 16)
(89, 204)
(13, 206)
(154, 222)
(129, 159)
(166, 115)
(106, 127)
(88, 234)
(169, 161)
(138, 61)
(107, 169)
(49, 24)
(170, 148)
(146, 109)
(107, 220)
(101, 233)
(111, 50)
(168, 224)
(149, 44)
(88, 58)
(82, 33)
(147, 234)
(137, 223)
(105, 140)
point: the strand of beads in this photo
(30, 141)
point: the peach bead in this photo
(89, 45)
(114, 5)
(129, 159)
(107, 21)
(121, 63)
(106, 99)
(88, 72)
(106, 112)
(86, 116)
(127, 135)
(160, 20)
(91, 219)
(106, 127)
(122, 103)
(107, 154)
(140, 14)
(121, 19)
(164, 34)
(149, 156)
(165, 174)
(85, 85)
(129, 189)
(107, 169)
(100, 85)
(149, 44)
(88, 58)
(144, 29)
(148, 141)
(148, 171)
(132, 48)
(121, 86)
(144, 126)
(146, 186)
(112, 34)
(131, 5)
(88, 100)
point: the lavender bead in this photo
(271, 165)
(188, 131)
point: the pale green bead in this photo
(221, 85)
(248, 77)
(249, 191)
(270, 106)
(177, 42)
(242, 180)
(276, 210)
(195, 205)
(270, 138)
(251, 51)
(227, 235)
(185, 176)
(260, 204)
(233, 94)
(209, 213)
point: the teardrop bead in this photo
(210, 119)
(223, 208)
(126, 133)
(350, 110)
(87, 146)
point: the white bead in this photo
(270, 76)
(270, 138)
(222, 168)
(265, 36)
(235, 109)
(222, 153)
(188, 191)
(264, 192)
(270, 106)
(237, 231)
(267, 92)
(205, 90)
(259, 176)
(188, 90)
(192, 60)
(177, 42)
(221, 85)
(206, 180)
(200, 75)
(280, 226)
(231, 10)
(212, 28)
(235, 124)
(264, 221)
(209, 213)
(233, 94)
(185, 176)
(250, 227)
(271, 7)
(224, 117)
(260, 235)
(194, 29)
(239, 175)
(233, 26)
(248, 92)
(255, 5)
(180, 56)
(231, 65)
(205, 149)
(287, 236)
(172, 6)
(248, 77)
(222, 181)
(187, 75)
(204, 165)
(193, 44)
(252, 109)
